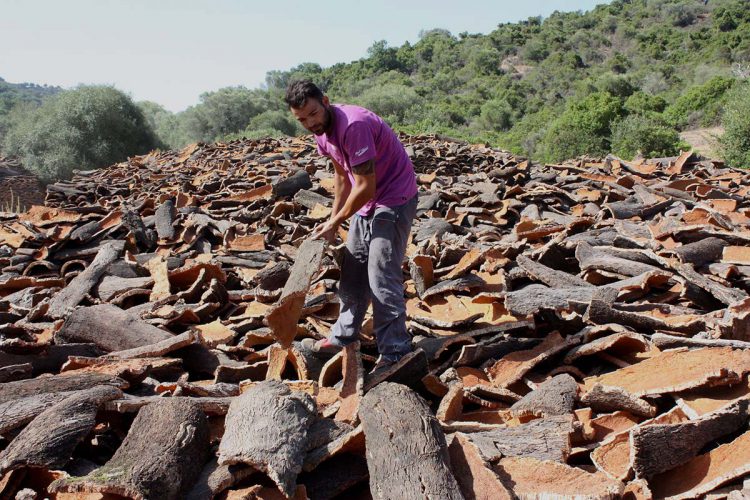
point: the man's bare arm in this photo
(362, 191)
(341, 188)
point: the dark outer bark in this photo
(324, 430)
(664, 341)
(157, 348)
(290, 185)
(165, 216)
(473, 355)
(406, 450)
(285, 315)
(71, 295)
(111, 286)
(333, 477)
(659, 448)
(544, 439)
(161, 457)
(609, 399)
(144, 238)
(9, 373)
(726, 295)
(57, 383)
(422, 277)
(19, 412)
(701, 252)
(556, 396)
(216, 478)
(409, 371)
(592, 258)
(533, 298)
(267, 427)
(49, 440)
(463, 283)
(550, 277)
(309, 199)
(110, 328)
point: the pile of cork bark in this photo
(19, 188)
(581, 330)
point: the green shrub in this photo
(700, 105)
(584, 128)
(281, 121)
(84, 128)
(638, 134)
(497, 115)
(736, 121)
(390, 101)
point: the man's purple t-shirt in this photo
(359, 135)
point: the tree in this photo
(84, 128)
(222, 112)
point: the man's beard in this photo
(326, 122)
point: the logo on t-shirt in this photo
(362, 151)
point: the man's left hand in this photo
(326, 231)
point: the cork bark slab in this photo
(613, 455)
(110, 328)
(688, 369)
(475, 476)
(352, 388)
(161, 457)
(70, 296)
(659, 448)
(532, 479)
(266, 427)
(406, 450)
(544, 439)
(515, 365)
(284, 316)
(705, 472)
(49, 440)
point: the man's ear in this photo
(325, 100)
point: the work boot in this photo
(322, 346)
(381, 365)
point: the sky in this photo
(171, 51)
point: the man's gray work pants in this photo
(371, 271)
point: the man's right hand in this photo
(326, 231)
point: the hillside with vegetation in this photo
(626, 77)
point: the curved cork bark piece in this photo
(705, 472)
(512, 367)
(678, 370)
(543, 439)
(604, 398)
(550, 277)
(532, 479)
(160, 458)
(406, 449)
(216, 478)
(556, 396)
(285, 314)
(475, 477)
(110, 328)
(623, 342)
(535, 298)
(613, 456)
(73, 293)
(267, 428)
(11, 391)
(49, 440)
(659, 448)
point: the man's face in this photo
(314, 115)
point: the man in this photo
(375, 186)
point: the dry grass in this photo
(12, 206)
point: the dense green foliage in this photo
(736, 139)
(83, 128)
(625, 77)
(22, 95)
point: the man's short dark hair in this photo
(298, 91)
